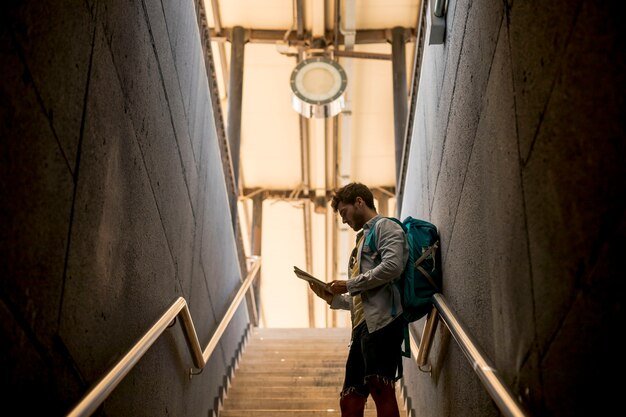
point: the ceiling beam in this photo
(271, 36)
(364, 55)
(300, 194)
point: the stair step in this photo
(306, 381)
(283, 392)
(280, 403)
(301, 332)
(291, 372)
(277, 371)
(295, 356)
(285, 364)
(330, 412)
(298, 343)
(282, 370)
(286, 403)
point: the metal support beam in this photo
(300, 18)
(255, 248)
(220, 45)
(363, 55)
(331, 229)
(235, 95)
(383, 202)
(305, 168)
(270, 36)
(400, 94)
(299, 194)
(306, 210)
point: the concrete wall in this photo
(517, 155)
(113, 204)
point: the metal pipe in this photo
(255, 244)
(300, 18)
(235, 90)
(489, 376)
(383, 202)
(427, 337)
(337, 23)
(305, 170)
(398, 54)
(103, 388)
(364, 55)
(306, 210)
(438, 9)
(308, 237)
(331, 215)
(235, 95)
(217, 21)
(231, 311)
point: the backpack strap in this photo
(370, 242)
(406, 352)
(407, 342)
(428, 252)
(370, 239)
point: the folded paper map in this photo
(310, 278)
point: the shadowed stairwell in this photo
(291, 372)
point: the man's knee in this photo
(383, 392)
(381, 387)
(352, 403)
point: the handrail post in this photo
(427, 337)
(231, 310)
(438, 8)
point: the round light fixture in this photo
(318, 84)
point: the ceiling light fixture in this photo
(318, 84)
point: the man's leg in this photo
(354, 393)
(352, 404)
(382, 352)
(383, 393)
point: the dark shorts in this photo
(373, 354)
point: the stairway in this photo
(291, 372)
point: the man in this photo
(374, 303)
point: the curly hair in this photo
(348, 194)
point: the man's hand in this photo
(338, 287)
(321, 292)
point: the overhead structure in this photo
(324, 104)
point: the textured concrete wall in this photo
(518, 157)
(113, 204)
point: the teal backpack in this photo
(421, 277)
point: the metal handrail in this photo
(438, 8)
(103, 388)
(497, 389)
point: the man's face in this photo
(352, 214)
